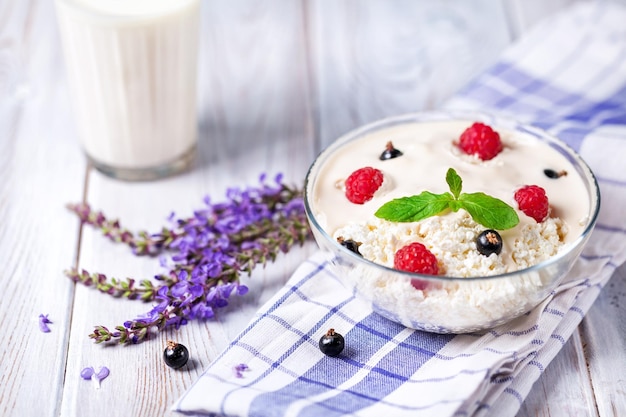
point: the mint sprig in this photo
(484, 209)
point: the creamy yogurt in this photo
(429, 149)
(132, 68)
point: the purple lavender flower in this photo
(241, 289)
(207, 253)
(240, 369)
(43, 323)
(180, 288)
(201, 311)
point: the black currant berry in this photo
(550, 173)
(390, 152)
(488, 242)
(350, 244)
(331, 344)
(175, 355)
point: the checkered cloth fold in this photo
(567, 76)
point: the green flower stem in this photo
(142, 244)
(210, 251)
(269, 242)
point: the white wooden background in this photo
(278, 80)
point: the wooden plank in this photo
(41, 168)
(254, 111)
(586, 377)
(564, 388)
(373, 59)
(603, 331)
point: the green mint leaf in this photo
(484, 209)
(489, 211)
(454, 182)
(414, 208)
(455, 205)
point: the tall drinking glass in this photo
(132, 70)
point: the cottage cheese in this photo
(429, 149)
(468, 299)
(452, 239)
(455, 306)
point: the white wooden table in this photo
(278, 80)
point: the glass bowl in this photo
(445, 304)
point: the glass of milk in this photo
(132, 70)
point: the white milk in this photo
(132, 69)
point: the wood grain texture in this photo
(604, 342)
(564, 388)
(40, 169)
(373, 59)
(278, 80)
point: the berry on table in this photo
(488, 242)
(332, 343)
(362, 184)
(175, 355)
(390, 152)
(480, 140)
(415, 257)
(350, 244)
(533, 202)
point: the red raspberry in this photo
(415, 257)
(532, 200)
(362, 184)
(481, 140)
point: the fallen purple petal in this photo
(43, 323)
(89, 374)
(103, 373)
(86, 373)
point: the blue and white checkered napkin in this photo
(567, 76)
